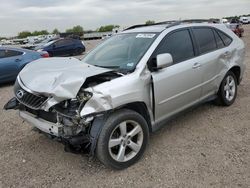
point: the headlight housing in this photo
(72, 107)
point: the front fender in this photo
(97, 103)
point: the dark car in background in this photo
(236, 28)
(63, 47)
(12, 61)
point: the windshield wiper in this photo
(108, 67)
(117, 68)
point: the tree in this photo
(107, 28)
(42, 32)
(24, 34)
(150, 22)
(55, 31)
(75, 29)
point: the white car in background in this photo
(224, 21)
(245, 20)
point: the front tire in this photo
(228, 90)
(123, 139)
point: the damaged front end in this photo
(75, 122)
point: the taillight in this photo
(45, 55)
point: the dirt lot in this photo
(207, 147)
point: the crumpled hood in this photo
(59, 77)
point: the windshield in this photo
(47, 44)
(45, 41)
(122, 51)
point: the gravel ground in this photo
(207, 147)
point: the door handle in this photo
(17, 60)
(196, 65)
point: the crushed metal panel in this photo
(113, 94)
(58, 77)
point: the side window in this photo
(2, 53)
(60, 43)
(12, 53)
(205, 39)
(226, 39)
(178, 44)
(219, 41)
(69, 42)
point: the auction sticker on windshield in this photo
(148, 36)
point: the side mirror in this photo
(164, 60)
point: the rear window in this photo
(205, 39)
(226, 39)
(219, 42)
(49, 43)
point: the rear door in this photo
(178, 86)
(9, 64)
(211, 57)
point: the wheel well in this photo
(140, 108)
(236, 70)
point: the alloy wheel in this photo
(125, 141)
(230, 88)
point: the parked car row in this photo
(58, 46)
(32, 45)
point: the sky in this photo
(20, 15)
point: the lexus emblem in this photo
(19, 94)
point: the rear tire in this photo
(123, 139)
(228, 90)
(51, 54)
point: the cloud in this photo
(16, 15)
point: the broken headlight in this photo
(72, 108)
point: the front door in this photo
(178, 86)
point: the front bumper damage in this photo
(59, 98)
(77, 139)
(54, 129)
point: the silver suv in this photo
(129, 86)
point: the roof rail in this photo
(174, 23)
(212, 20)
(147, 25)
